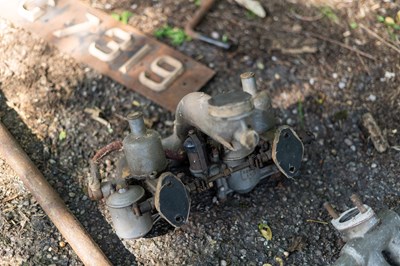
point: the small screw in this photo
(330, 210)
(358, 203)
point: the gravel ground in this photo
(44, 92)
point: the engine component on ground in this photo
(127, 223)
(50, 201)
(372, 240)
(142, 147)
(231, 143)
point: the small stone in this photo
(274, 58)
(312, 81)
(348, 142)
(48, 256)
(277, 76)
(260, 65)
(334, 75)
(374, 165)
(62, 244)
(71, 194)
(371, 98)
(215, 35)
(223, 263)
(342, 85)
(286, 254)
(353, 148)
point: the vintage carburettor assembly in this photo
(371, 239)
(229, 142)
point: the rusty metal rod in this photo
(195, 20)
(331, 210)
(80, 241)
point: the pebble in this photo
(312, 81)
(348, 142)
(353, 148)
(223, 263)
(260, 65)
(274, 58)
(374, 165)
(71, 194)
(334, 75)
(215, 35)
(62, 244)
(342, 85)
(371, 98)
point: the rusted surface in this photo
(113, 146)
(197, 17)
(206, 5)
(94, 180)
(50, 201)
(67, 13)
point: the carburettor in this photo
(372, 240)
(229, 142)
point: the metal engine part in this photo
(372, 240)
(230, 141)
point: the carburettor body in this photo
(372, 239)
(229, 141)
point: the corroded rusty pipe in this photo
(195, 20)
(50, 201)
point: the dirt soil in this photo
(323, 71)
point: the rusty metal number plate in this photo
(123, 53)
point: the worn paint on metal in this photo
(112, 48)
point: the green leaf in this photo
(116, 16)
(225, 38)
(197, 2)
(328, 12)
(380, 18)
(353, 25)
(125, 16)
(265, 231)
(175, 35)
(63, 135)
(250, 15)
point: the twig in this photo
(294, 15)
(364, 65)
(10, 198)
(355, 50)
(375, 35)
(367, 55)
(315, 221)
